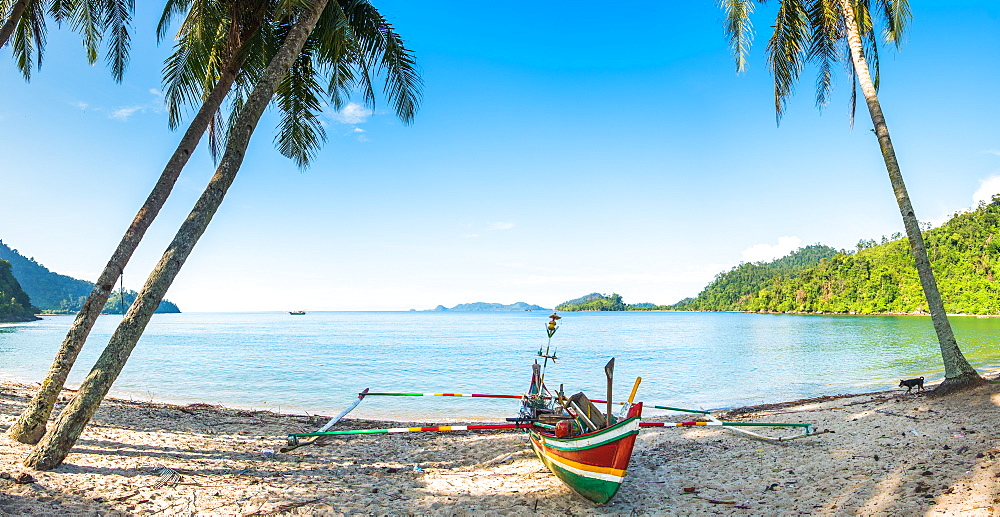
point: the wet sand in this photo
(887, 453)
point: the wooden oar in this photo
(635, 388)
(609, 371)
(438, 428)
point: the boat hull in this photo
(592, 464)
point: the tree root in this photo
(952, 385)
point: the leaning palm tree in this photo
(227, 51)
(24, 21)
(302, 24)
(814, 31)
(205, 66)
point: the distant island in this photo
(606, 302)
(52, 293)
(482, 306)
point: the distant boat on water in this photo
(296, 313)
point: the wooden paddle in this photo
(609, 370)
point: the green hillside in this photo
(59, 294)
(729, 289)
(604, 302)
(48, 291)
(14, 302)
(878, 278)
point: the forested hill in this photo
(14, 302)
(60, 294)
(605, 302)
(728, 290)
(878, 278)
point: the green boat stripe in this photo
(615, 432)
(597, 490)
(552, 444)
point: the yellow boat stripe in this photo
(582, 469)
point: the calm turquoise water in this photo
(316, 363)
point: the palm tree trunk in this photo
(30, 425)
(12, 19)
(55, 445)
(957, 370)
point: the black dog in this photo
(912, 383)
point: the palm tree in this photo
(230, 52)
(25, 22)
(300, 26)
(812, 31)
(206, 64)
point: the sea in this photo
(317, 363)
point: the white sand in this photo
(887, 454)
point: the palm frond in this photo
(85, 17)
(181, 73)
(171, 10)
(852, 74)
(28, 43)
(739, 29)
(60, 9)
(787, 50)
(299, 99)
(897, 15)
(825, 32)
(118, 16)
(385, 52)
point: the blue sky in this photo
(559, 152)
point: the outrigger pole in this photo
(438, 428)
(444, 395)
(293, 444)
(807, 429)
(721, 423)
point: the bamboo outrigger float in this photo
(589, 450)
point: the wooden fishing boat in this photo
(592, 464)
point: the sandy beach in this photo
(887, 453)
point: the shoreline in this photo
(882, 453)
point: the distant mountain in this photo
(14, 303)
(605, 302)
(482, 306)
(59, 294)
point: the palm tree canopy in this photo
(351, 47)
(813, 32)
(92, 19)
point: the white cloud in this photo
(987, 188)
(353, 113)
(125, 113)
(991, 151)
(768, 252)
(501, 226)
(81, 105)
